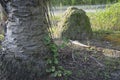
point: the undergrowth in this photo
(53, 67)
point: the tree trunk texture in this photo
(24, 50)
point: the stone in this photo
(75, 24)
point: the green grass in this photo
(106, 20)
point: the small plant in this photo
(53, 67)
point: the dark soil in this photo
(91, 63)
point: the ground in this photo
(100, 61)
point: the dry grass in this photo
(115, 38)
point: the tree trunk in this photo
(24, 50)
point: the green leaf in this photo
(49, 61)
(48, 70)
(67, 73)
(59, 74)
(54, 74)
(53, 69)
(56, 61)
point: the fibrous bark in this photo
(24, 50)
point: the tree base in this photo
(12, 68)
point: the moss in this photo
(75, 24)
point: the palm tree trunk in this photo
(24, 50)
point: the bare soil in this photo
(100, 61)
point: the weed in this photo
(54, 68)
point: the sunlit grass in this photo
(108, 19)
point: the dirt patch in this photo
(90, 63)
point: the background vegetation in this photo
(102, 21)
(107, 19)
(82, 2)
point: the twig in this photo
(97, 61)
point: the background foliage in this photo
(82, 2)
(107, 19)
